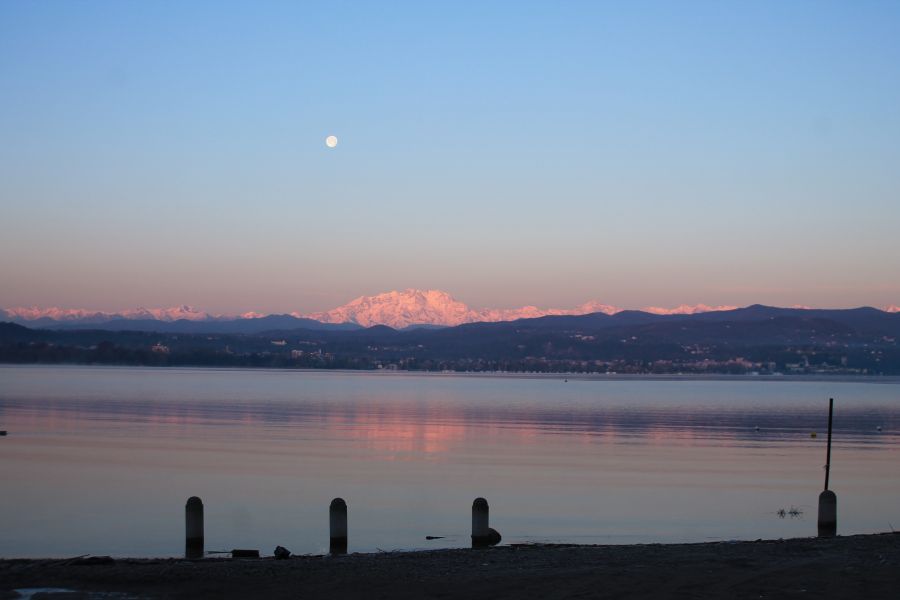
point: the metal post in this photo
(828, 455)
(828, 499)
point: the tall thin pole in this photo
(828, 456)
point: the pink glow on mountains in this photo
(400, 309)
(396, 309)
(81, 314)
(685, 309)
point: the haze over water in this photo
(102, 460)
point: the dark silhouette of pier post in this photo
(828, 499)
(337, 521)
(482, 534)
(193, 520)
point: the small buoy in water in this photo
(757, 427)
(813, 434)
(878, 428)
(566, 381)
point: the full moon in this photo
(331, 141)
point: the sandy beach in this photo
(861, 566)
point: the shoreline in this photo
(668, 377)
(857, 566)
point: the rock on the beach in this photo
(92, 561)
(492, 538)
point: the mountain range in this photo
(755, 339)
(396, 309)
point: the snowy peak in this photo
(400, 309)
(167, 314)
(533, 312)
(175, 313)
(33, 313)
(686, 309)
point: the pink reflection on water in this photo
(409, 452)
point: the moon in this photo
(331, 141)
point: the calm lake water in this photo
(102, 460)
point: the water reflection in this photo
(102, 460)
(426, 428)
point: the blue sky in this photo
(509, 152)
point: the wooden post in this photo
(193, 518)
(828, 499)
(337, 520)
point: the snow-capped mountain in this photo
(174, 313)
(686, 309)
(396, 309)
(532, 312)
(169, 314)
(34, 313)
(399, 309)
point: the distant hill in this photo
(753, 339)
(397, 309)
(12, 332)
(428, 310)
(865, 319)
(221, 326)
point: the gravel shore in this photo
(861, 566)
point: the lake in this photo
(101, 460)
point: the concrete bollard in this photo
(482, 534)
(193, 520)
(337, 520)
(827, 514)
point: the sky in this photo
(511, 153)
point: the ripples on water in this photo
(101, 460)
